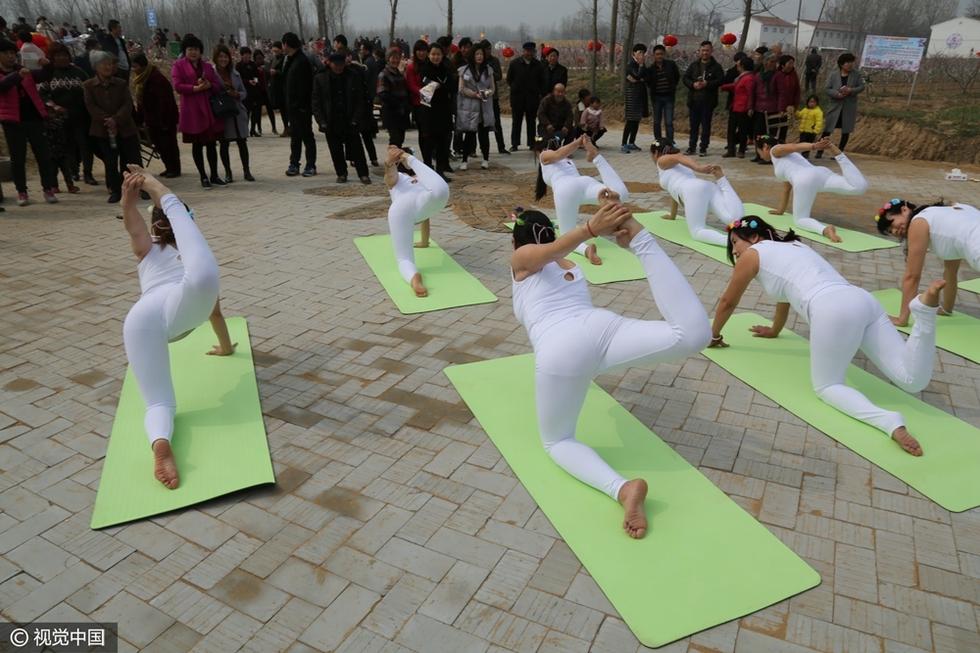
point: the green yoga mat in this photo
(780, 369)
(219, 439)
(618, 264)
(676, 232)
(973, 285)
(958, 333)
(449, 285)
(704, 560)
(854, 241)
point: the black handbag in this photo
(223, 105)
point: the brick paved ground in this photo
(396, 525)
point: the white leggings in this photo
(699, 196)
(572, 191)
(846, 320)
(164, 314)
(575, 350)
(807, 183)
(420, 202)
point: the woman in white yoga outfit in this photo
(415, 198)
(573, 341)
(843, 319)
(804, 180)
(178, 278)
(953, 232)
(557, 171)
(699, 196)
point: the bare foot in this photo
(608, 195)
(631, 496)
(667, 216)
(906, 441)
(591, 151)
(831, 233)
(931, 295)
(421, 244)
(417, 286)
(592, 255)
(164, 467)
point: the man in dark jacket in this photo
(298, 104)
(277, 84)
(812, 66)
(555, 116)
(113, 41)
(83, 61)
(341, 110)
(662, 78)
(702, 78)
(526, 79)
(554, 73)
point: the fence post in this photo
(908, 102)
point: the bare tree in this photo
(613, 24)
(595, 41)
(764, 6)
(393, 4)
(251, 23)
(633, 8)
(299, 18)
(973, 11)
(449, 17)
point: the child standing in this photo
(592, 123)
(811, 121)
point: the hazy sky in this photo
(536, 13)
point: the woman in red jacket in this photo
(743, 103)
(23, 114)
(787, 92)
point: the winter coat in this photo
(669, 70)
(743, 93)
(356, 114)
(471, 109)
(392, 90)
(635, 100)
(787, 90)
(109, 99)
(766, 99)
(10, 97)
(527, 80)
(158, 109)
(196, 116)
(556, 75)
(811, 120)
(413, 79)
(236, 125)
(298, 85)
(710, 72)
(555, 114)
(843, 108)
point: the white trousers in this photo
(699, 197)
(575, 350)
(164, 314)
(846, 320)
(420, 202)
(571, 192)
(815, 180)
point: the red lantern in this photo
(507, 52)
(728, 39)
(545, 49)
(594, 46)
(453, 49)
(670, 40)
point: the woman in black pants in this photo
(236, 124)
(436, 111)
(636, 98)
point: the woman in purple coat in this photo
(196, 81)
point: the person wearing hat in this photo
(340, 108)
(527, 80)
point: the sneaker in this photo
(504, 151)
(464, 166)
(73, 189)
(205, 183)
(728, 154)
(49, 196)
(365, 180)
(485, 164)
(22, 199)
(703, 153)
(690, 151)
(632, 146)
(341, 179)
(625, 149)
(309, 171)
(218, 181)
(248, 176)
(515, 148)
(292, 171)
(90, 180)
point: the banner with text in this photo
(893, 52)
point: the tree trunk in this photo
(321, 17)
(449, 18)
(251, 23)
(746, 19)
(299, 17)
(632, 15)
(613, 24)
(391, 25)
(595, 41)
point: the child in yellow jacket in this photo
(811, 121)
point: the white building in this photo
(832, 36)
(957, 37)
(764, 30)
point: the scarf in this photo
(139, 81)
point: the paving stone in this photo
(336, 622)
(313, 584)
(139, 623)
(201, 529)
(558, 613)
(454, 591)
(855, 573)
(398, 605)
(507, 580)
(505, 630)
(373, 535)
(191, 607)
(416, 559)
(45, 596)
(419, 633)
(222, 561)
(779, 505)
(41, 559)
(250, 595)
(364, 570)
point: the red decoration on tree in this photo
(545, 49)
(670, 40)
(453, 49)
(728, 39)
(507, 52)
(593, 46)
